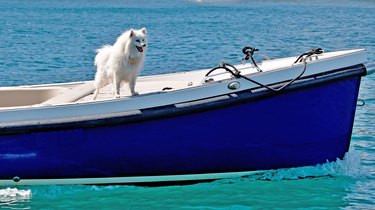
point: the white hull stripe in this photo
(128, 180)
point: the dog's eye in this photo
(137, 40)
(143, 40)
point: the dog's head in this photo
(139, 39)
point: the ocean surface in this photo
(46, 41)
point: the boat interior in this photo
(82, 92)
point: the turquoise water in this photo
(54, 41)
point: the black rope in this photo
(237, 74)
(249, 52)
(282, 87)
(309, 53)
(224, 66)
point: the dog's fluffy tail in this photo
(100, 62)
(102, 56)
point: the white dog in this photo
(121, 62)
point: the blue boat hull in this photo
(307, 124)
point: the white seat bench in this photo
(72, 94)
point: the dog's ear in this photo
(131, 33)
(144, 31)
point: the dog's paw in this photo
(117, 95)
(135, 93)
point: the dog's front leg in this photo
(132, 87)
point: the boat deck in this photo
(82, 92)
(147, 85)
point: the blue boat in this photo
(208, 124)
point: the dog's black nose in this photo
(144, 45)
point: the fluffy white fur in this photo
(121, 62)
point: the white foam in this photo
(349, 166)
(10, 196)
(14, 193)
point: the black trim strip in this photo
(173, 110)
